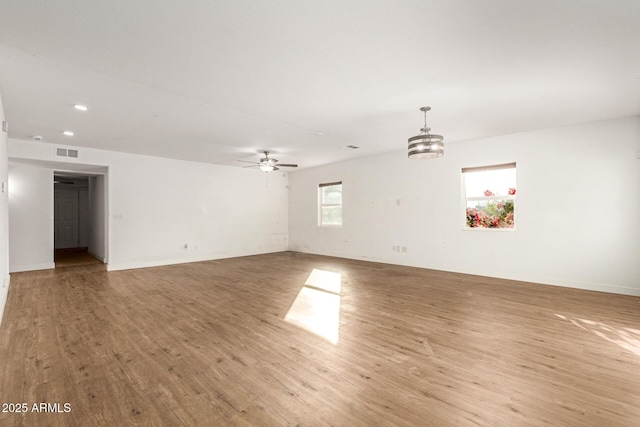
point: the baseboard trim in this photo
(32, 267)
(542, 280)
(158, 263)
(98, 257)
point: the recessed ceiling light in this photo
(80, 107)
(68, 133)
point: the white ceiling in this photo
(217, 81)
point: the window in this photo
(330, 204)
(490, 196)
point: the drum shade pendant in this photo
(426, 145)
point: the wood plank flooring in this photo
(207, 344)
(74, 257)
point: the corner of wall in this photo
(4, 216)
(4, 292)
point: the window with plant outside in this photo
(330, 204)
(490, 196)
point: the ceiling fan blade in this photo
(287, 165)
(275, 168)
(252, 166)
(245, 161)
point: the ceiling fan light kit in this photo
(426, 145)
(268, 164)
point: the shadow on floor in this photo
(74, 257)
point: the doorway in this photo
(79, 219)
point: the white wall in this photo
(84, 226)
(577, 208)
(157, 205)
(4, 218)
(30, 217)
(98, 220)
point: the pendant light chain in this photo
(425, 129)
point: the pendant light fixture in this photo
(426, 145)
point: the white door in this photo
(66, 221)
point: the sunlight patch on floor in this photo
(626, 338)
(317, 307)
(325, 280)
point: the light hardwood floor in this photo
(74, 257)
(207, 344)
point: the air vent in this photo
(353, 147)
(63, 152)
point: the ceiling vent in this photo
(63, 152)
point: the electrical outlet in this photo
(404, 249)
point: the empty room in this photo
(320, 213)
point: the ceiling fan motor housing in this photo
(268, 161)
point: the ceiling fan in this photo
(268, 164)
